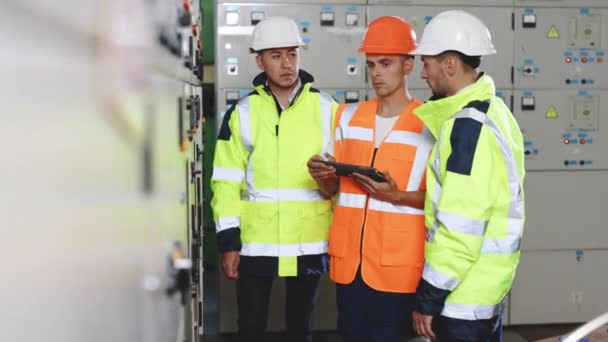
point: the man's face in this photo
(434, 74)
(281, 65)
(387, 72)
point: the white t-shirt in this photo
(383, 127)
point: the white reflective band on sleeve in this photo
(326, 117)
(283, 195)
(283, 250)
(470, 312)
(387, 207)
(358, 133)
(245, 123)
(351, 200)
(422, 156)
(462, 224)
(512, 243)
(228, 222)
(228, 174)
(438, 279)
(509, 245)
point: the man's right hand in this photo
(320, 171)
(230, 264)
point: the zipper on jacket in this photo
(365, 219)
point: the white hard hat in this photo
(275, 32)
(455, 31)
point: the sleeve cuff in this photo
(229, 240)
(429, 299)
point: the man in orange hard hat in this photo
(376, 240)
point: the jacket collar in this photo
(262, 78)
(437, 111)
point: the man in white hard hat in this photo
(271, 218)
(474, 208)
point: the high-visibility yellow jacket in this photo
(264, 196)
(474, 207)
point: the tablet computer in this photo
(343, 169)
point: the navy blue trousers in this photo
(457, 330)
(368, 315)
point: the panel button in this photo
(351, 69)
(232, 18)
(352, 19)
(327, 18)
(232, 97)
(256, 17)
(528, 103)
(351, 96)
(529, 20)
(232, 69)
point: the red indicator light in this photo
(584, 59)
(566, 141)
(582, 141)
(568, 59)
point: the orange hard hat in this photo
(390, 35)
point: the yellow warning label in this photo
(553, 33)
(551, 113)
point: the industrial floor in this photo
(511, 334)
(527, 333)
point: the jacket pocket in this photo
(402, 247)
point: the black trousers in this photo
(253, 297)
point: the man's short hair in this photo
(471, 61)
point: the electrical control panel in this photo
(488, 3)
(561, 48)
(498, 20)
(561, 3)
(332, 34)
(562, 129)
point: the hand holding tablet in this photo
(343, 169)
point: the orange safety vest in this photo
(387, 240)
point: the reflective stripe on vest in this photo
(283, 250)
(422, 141)
(515, 220)
(387, 207)
(351, 200)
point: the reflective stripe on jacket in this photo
(260, 180)
(474, 207)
